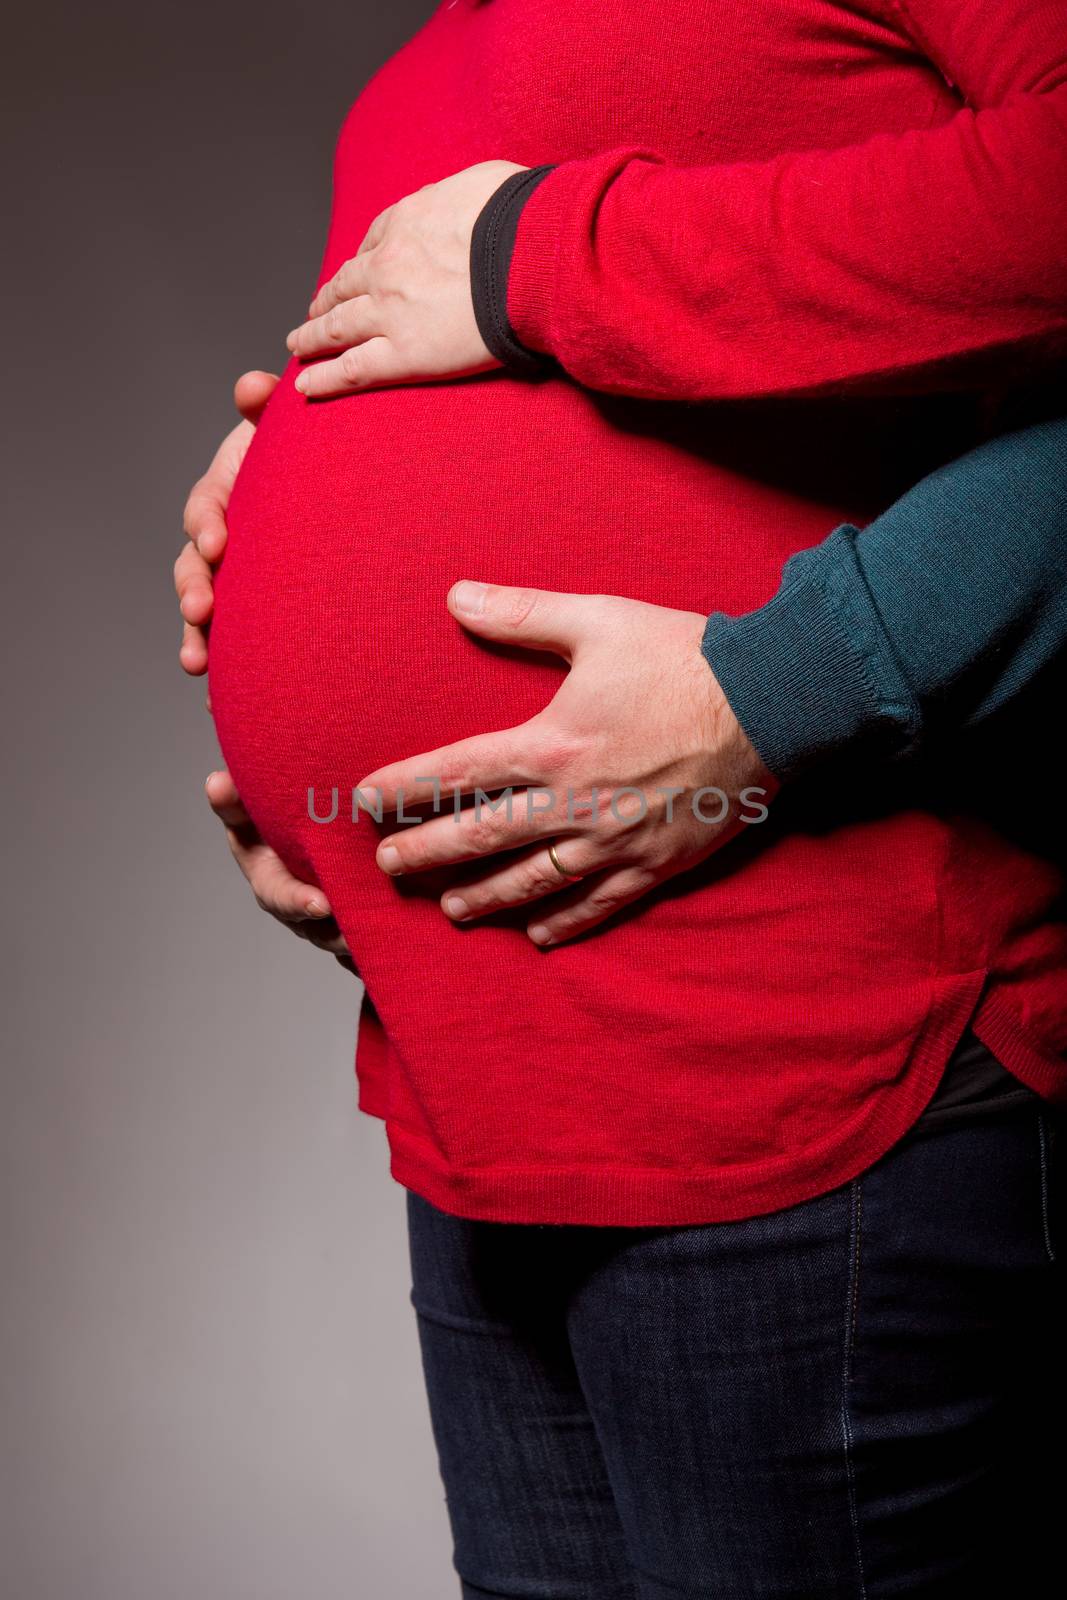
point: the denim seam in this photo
(1042, 1148)
(851, 1314)
(857, 1231)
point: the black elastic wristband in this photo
(492, 246)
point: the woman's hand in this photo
(400, 310)
(204, 521)
(300, 906)
(636, 769)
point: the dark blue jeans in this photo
(859, 1396)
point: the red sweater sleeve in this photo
(903, 262)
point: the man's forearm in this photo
(930, 619)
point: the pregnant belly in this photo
(332, 652)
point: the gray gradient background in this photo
(209, 1376)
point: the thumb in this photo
(251, 393)
(540, 618)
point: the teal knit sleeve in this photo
(931, 618)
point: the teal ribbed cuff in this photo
(813, 670)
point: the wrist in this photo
(737, 764)
(492, 246)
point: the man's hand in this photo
(635, 770)
(400, 311)
(300, 906)
(204, 521)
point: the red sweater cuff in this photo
(532, 276)
(561, 202)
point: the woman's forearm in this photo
(909, 261)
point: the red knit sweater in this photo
(815, 216)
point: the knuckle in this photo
(482, 838)
(558, 750)
(376, 229)
(191, 565)
(351, 365)
(198, 492)
(519, 606)
(260, 883)
(602, 812)
(638, 881)
(388, 255)
(606, 896)
(588, 806)
(270, 901)
(532, 879)
(452, 773)
(489, 832)
(333, 324)
(554, 748)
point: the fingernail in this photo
(469, 597)
(540, 934)
(389, 859)
(457, 907)
(302, 383)
(317, 908)
(290, 339)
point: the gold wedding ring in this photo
(571, 877)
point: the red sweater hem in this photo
(1018, 1049)
(675, 1197)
